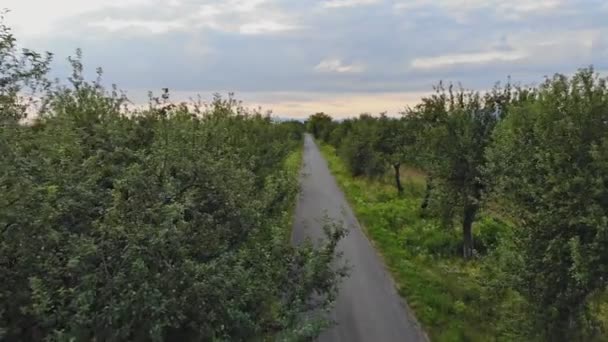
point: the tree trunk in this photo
(427, 194)
(398, 178)
(467, 229)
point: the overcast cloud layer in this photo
(298, 57)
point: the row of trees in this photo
(539, 153)
(169, 223)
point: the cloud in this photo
(35, 17)
(469, 10)
(348, 3)
(345, 56)
(264, 27)
(152, 26)
(473, 5)
(334, 65)
(250, 17)
(466, 58)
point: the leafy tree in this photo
(359, 148)
(393, 143)
(169, 223)
(339, 132)
(22, 75)
(549, 163)
(457, 128)
(320, 125)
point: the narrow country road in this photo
(368, 307)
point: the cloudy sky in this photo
(297, 57)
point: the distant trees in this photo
(539, 153)
(366, 143)
(169, 223)
(320, 125)
(359, 147)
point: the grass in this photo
(443, 290)
(453, 299)
(293, 162)
(292, 165)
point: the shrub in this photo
(162, 224)
(549, 162)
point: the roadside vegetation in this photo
(170, 222)
(490, 209)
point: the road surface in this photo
(368, 307)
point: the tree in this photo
(549, 165)
(143, 225)
(22, 75)
(359, 148)
(339, 132)
(457, 128)
(320, 125)
(393, 143)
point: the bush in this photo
(549, 161)
(489, 232)
(358, 151)
(163, 224)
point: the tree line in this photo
(170, 222)
(537, 153)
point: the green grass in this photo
(442, 289)
(292, 165)
(453, 299)
(293, 162)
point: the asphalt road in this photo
(368, 307)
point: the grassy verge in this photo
(454, 300)
(443, 291)
(293, 162)
(292, 165)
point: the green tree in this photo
(359, 148)
(320, 125)
(22, 75)
(169, 223)
(339, 132)
(394, 143)
(549, 163)
(456, 129)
